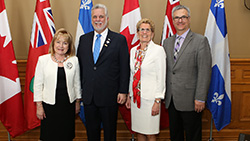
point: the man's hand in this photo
(199, 106)
(121, 98)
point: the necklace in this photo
(60, 61)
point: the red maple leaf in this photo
(129, 38)
(8, 67)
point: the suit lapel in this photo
(90, 46)
(184, 46)
(106, 44)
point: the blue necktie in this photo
(97, 47)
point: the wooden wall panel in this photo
(245, 111)
(240, 120)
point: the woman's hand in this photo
(40, 111)
(77, 106)
(128, 102)
(156, 109)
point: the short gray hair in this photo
(178, 7)
(97, 6)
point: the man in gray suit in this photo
(188, 77)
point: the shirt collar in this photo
(183, 35)
(104, 33)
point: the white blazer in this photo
(46, 79)
(153, 72)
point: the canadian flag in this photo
(11, 104)
(131, 15)
(168, 27)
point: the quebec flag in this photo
(219, 96)
(84, 24)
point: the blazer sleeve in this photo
(77, 82)
(204, 70)
(160, 65)
(132, 62)
(38, 81)
(124, 66)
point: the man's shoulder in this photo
(197, 35)
(87, 35)
(169, 39)
(115, 34)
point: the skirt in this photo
(59, 124)
(142, 120)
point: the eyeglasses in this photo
(183, 18)
(144, 29)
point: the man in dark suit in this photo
(188, 77)
(104, 65)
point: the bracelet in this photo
(39, 104)
(157, 101)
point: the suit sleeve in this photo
(204, 60)
(78, 54)
(124, 66)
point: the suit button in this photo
(173, 72)
(94, 68)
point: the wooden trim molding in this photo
(240, 118)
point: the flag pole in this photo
(211, 130)
(9, 136)
(133, 137)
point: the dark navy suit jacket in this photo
(101, 82)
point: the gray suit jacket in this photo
(189, 77)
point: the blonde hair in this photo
(145, 21)
(63, 33)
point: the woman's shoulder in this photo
(73, 59)
(156, 46)
(44, 57)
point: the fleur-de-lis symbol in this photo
(85, 4)
(219, 3)
(217, 99)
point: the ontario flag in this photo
(168, 27)
(219, 96)
(11, 103)
(43, 30)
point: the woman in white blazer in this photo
(57, 91)
(147, 82)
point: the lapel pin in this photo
(69, 65)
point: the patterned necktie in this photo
(97, 47)
(177, 48)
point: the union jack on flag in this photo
(43, 30)
(168, 27)
(38, 37)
